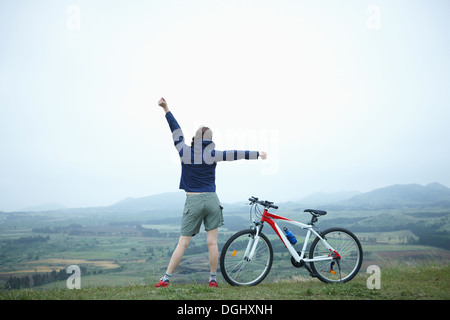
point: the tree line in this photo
(429, 235)
(39, 279)
(26, 240)
(57, 229)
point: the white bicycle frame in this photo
(269, 218)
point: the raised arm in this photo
(163, 104)
(177, 133)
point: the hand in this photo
(263, 155)
(162, 103)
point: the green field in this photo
(122, 258)
(400, 281)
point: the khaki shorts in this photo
(201, 208)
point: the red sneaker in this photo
(213, 284)
(162, 284)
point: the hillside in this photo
(162, 201)
(401, 196)
(390, 197)
(398, 282)
(44, 207)
(324, 198)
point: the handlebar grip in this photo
(263, 203)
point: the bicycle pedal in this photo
(332, 272)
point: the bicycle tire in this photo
(351, 256)
(239, 272)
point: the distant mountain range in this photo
(162, 201)
(395, 196)
(45, 207)
(321, 198)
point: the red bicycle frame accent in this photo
(267, 217)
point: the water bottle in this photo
(290, 236)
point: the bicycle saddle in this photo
(316, 212)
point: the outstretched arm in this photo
(232, 155)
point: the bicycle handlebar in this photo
(265, 203)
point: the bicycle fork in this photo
(252, 243)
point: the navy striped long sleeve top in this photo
(198, 163)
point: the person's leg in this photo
(213, 249)
(190, 225)
(177, 255)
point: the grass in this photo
(399, 281)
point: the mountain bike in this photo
(335, 255)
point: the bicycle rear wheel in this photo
(236, 269)
(346, 265)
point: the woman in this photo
(198, 173)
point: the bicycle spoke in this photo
(349, 255)
(235, 267)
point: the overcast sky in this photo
(343, 95)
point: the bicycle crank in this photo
(296, 264)
(302, 263)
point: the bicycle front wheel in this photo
(346, 263)
(237, 269)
